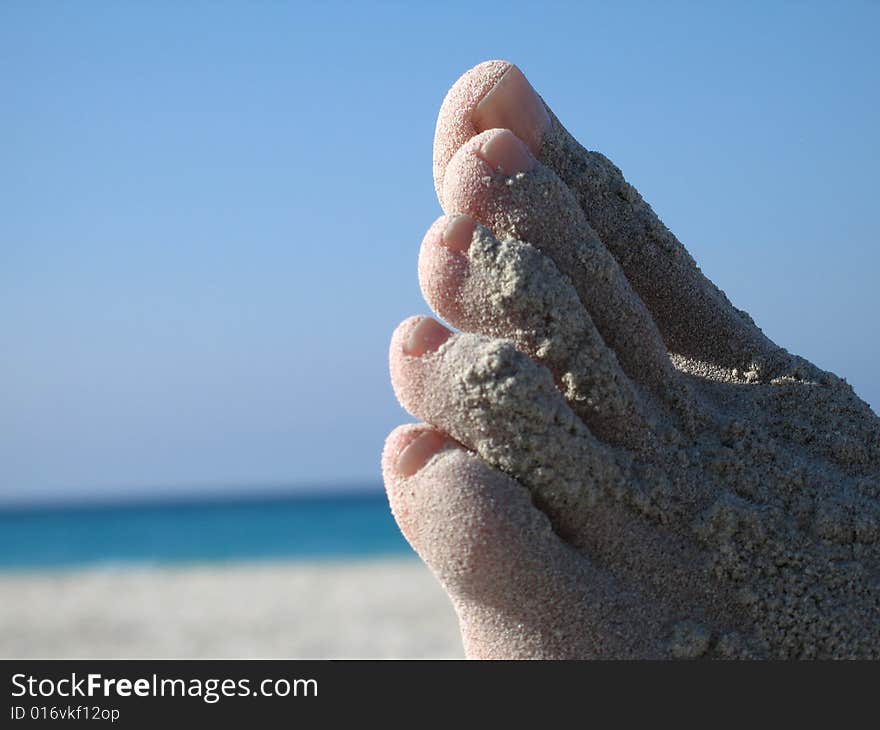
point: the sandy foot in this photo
(618, 463)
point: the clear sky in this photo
(210, 212)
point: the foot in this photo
(615, 461)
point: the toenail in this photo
(458, 233)
(506, 154)
(426, 336)
(513, 104)
(418, 452)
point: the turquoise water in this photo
(199, 531)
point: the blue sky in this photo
(210, 212)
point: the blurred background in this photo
(210, 215)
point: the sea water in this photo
(228, 529)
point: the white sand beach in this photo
(388, 608)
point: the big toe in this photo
(515, 586)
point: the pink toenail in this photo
(418, 452)
(458, 233)
(513, 104)
(505, 153)
(426, 336)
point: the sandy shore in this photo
(368, 609)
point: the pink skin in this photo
(494, 94)
(414, 338)
(473, 165)
(519, 590)
(476, 528)
(484, 156)
(503, 152)
(418, 451)
(457, 233)
(443, 263)
(472, 185)
(425, 471)
(574, 301)
(425, 336)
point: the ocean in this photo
(198, 531)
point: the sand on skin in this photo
(749, 527)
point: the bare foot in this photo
(618, 463)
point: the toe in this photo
(455, 510)
(530, 203)
(497, 401)
(513, 583)
(495, 554)
(509, 289)
(492, 95)
(694, 317)
(513, 104)
(518, 589)
(505, 153)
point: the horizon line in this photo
(192, 496)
